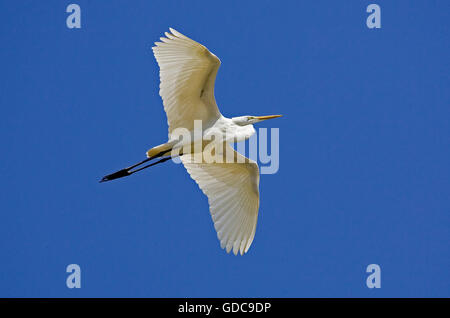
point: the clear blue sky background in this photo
(364, 150)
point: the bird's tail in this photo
(161, 150)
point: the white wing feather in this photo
(187, 72)
(233, 195)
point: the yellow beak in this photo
(260, 118)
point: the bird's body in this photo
(200, 135)
(223, 129)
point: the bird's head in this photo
(248, 120)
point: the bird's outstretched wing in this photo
(233, 195)
(187, 72)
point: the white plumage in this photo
(233, 195)
(231, 182)
(188, 71)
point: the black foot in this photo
(116, 175)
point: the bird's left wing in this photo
(233, 195)
(188, 73)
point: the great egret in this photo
(188, 72)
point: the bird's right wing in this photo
(187, 72)
(233, 195)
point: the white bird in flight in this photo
(231, 182)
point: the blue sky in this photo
(364, 150)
